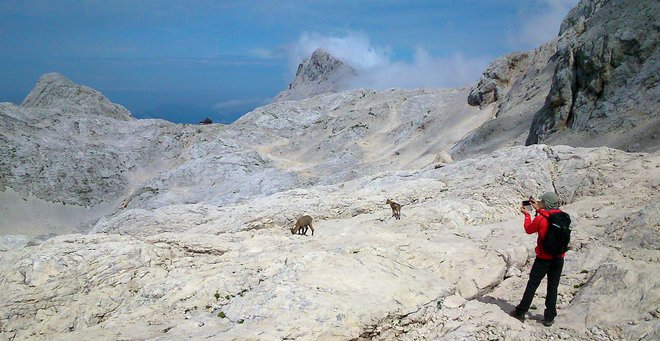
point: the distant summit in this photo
(54, 90)
(320, 73)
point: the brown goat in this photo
(302, 224)
(396, 209)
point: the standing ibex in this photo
(396, 209)
(302, 224)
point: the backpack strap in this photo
(545, 214)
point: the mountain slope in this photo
(59, 151)
(56, 92)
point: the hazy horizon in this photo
(187, 61)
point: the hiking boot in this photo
(517, 315)
(548, 323)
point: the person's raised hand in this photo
(535, 204)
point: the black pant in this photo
(539, 269)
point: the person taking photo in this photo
(553, 229)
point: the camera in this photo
(527, 203)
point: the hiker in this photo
(553, 228)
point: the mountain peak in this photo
(320, 73)
(322, 55)
(54, 90)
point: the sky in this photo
(186, 60)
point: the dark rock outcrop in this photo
(498, 78)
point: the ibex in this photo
(302, 224)
(396, 209)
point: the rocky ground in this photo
(451, 268)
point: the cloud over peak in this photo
(354, 49)
(378, 70)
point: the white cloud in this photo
(424, 71)
(355, 49)
(543, 27)
(377, 70)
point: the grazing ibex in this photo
(396, 209)
(302, 224)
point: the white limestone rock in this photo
(515, 257)
(12, 242)
(354, 271)
(57, 92)
(108, 164)
(453, 301)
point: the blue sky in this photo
(186, 60)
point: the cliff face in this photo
(595, 85)
(606, 85)
(318, 74)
